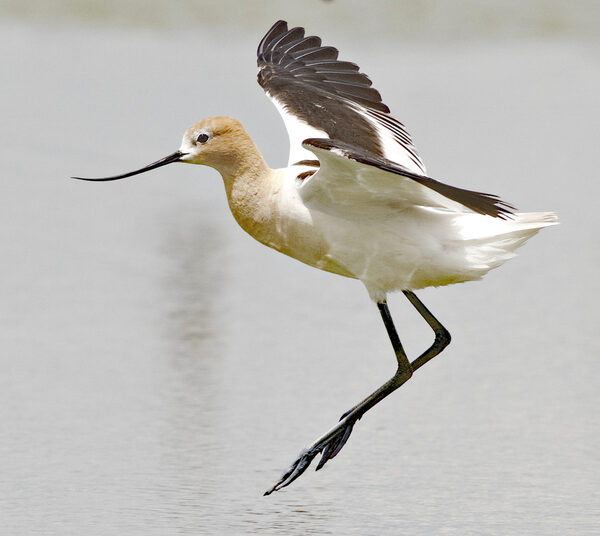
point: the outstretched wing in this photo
(353, 181)
(320, 96)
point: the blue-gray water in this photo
(159, 369)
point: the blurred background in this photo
(159, 369)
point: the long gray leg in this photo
(332, 441)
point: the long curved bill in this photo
(174, 157)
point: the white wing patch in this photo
(347, 188)
(395, 141)
(298, 131)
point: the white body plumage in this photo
(377, 236)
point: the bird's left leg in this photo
(332, 442)
(442, 335)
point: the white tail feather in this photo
(489, 242)
(475, 226)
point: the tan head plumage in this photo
(222, 143)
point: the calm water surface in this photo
(159, 369)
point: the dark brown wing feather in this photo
(312, 84)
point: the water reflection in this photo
(194, 251)
(191, 446)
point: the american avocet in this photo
(354, 200)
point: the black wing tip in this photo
(490, 205)
(487, 204)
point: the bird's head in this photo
(213, 142)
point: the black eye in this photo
(202, 138)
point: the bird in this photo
(355, 200)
